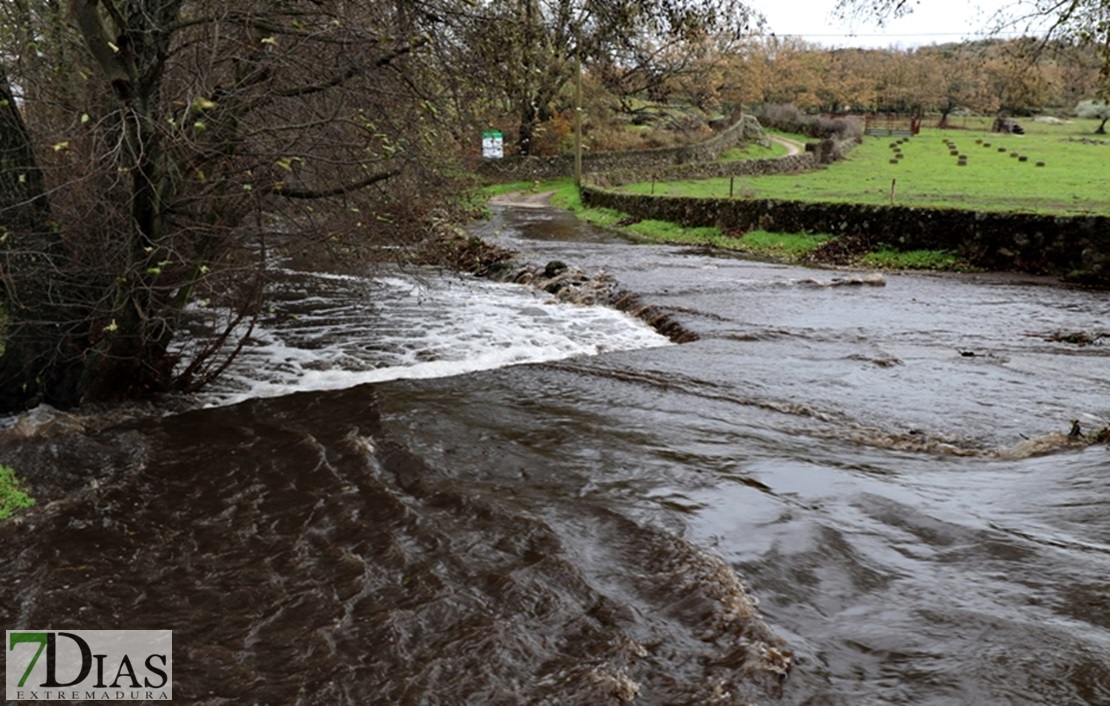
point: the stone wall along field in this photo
(996, 241)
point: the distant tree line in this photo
(1013, 77)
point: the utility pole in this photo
(578, 114)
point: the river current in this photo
(420, 488)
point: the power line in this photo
(984, 35)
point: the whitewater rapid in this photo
(333, 331)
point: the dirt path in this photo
(523, 198)
(792, 146)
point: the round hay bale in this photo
(1040, 164)
(1023, 158)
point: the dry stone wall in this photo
(996, 241)
(711, 170)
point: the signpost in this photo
(493, 144)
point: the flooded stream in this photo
(418, 488)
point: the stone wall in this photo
(996, 241)
(710, 170)
(641, 161)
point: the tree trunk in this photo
(526, 132)
(944, 113)
(126, 350)
(129, 356)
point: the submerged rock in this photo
(554, 268)
(873, 279)
(1079, 338)
(565, 282)
(45, 421)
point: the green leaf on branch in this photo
(201, 103)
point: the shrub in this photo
(12, 495)
(788, 118)
(838, 128)
(785, 117)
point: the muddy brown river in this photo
(418, 488)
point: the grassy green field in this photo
(1074, 180)
(754, 151)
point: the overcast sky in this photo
(932, 22)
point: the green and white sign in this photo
(493, 144)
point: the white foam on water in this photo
(329, 331)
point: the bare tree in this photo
(1099, 110)
(154, 154)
